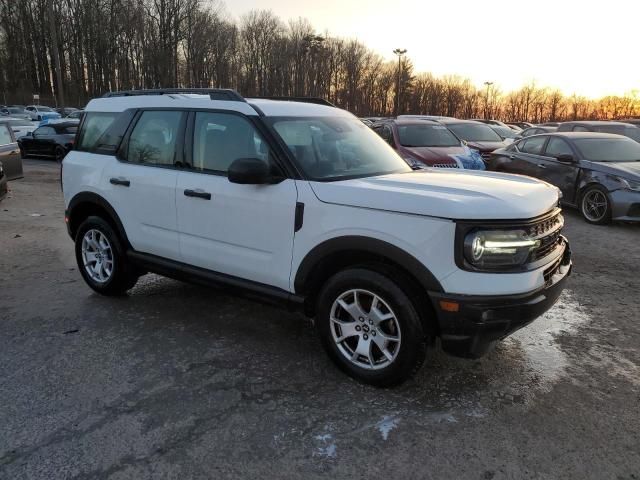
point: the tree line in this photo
(69, 51)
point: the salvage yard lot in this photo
(177, 380)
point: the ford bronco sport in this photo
(298, 201)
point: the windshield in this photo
(44, 109)
(336, 148)
(474, 132)
(609, 149)
(426, 135)
(504, 132)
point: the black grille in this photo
(548, 231)
(445, 165)
(485, 156)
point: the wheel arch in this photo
(339, 253)
(86, 204)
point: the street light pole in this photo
(486, 105)
(400, 52)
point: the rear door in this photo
(9, 153)
(140, 184)
(245, 231)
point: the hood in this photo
(431, 155)
(454, 194)
(487, 146)
(630, 170)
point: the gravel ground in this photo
(179, 381)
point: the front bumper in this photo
(625, 205)
(471, 325)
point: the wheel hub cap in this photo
(97, 256)
(365, 329)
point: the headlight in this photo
(489, 249)
(628, 184)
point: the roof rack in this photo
(314, 100)
(214, 93)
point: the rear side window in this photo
(153, 139)
(580, 128)
(5, 135)
(557, 147)
(532, 145)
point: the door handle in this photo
(120, 181)
(197, 194)
(542, 165)
(13, 152)
(512, 157)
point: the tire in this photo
(59, 153)
(349, 334)
(595, 205)
(23, 153)
(121, 276)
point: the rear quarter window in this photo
(102, 132)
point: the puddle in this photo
(327, 447)
(537, 341)
(387, 424)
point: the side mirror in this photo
(29, 134)
(565, 158)
(250, 171)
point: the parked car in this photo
(550, 124)
(3, 183)
(425, 143)
(423, 117)
(490, 122)
(507, 134)
(15, 112)
(20, 127)
(619, 128)
(53, 141)
(599, 173)
(9, 152)
(77, 115)
(477, 135)
(39, 113)
(632, 121)
(66, 111)
(527, 132)
(521, 125)
(304, 204)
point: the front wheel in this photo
(370, 328)
(59, 153)
(101, 258)
(595, 205)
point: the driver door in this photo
(245, 231)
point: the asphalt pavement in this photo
(181, 381)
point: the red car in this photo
(425, 142)
(477, 135)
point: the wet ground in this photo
(179, 381)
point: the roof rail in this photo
(315, 100)
(214, 93)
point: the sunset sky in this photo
(585, 47)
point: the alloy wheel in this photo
(365, 329)
(97, 256)
(595, 205)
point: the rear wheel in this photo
(369, 327)
(595, 205)
(101, 258)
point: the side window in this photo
(580, 128)
(221, 138)
(5, 135)
(153, 139)
(556, 147)
(533, 145)
(42, 131)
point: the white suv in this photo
(300, 202)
